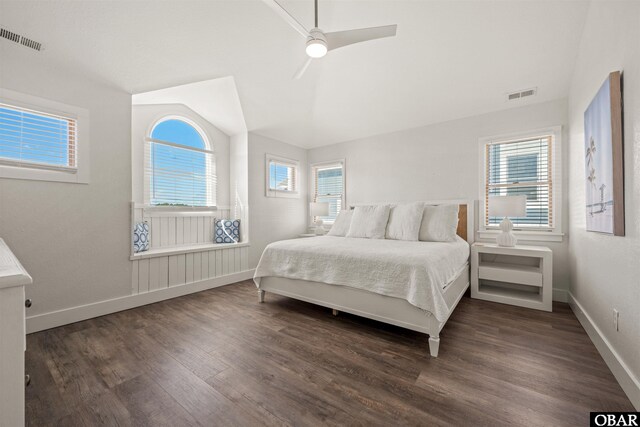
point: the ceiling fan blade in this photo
(302, 69)
(273, 4)
(344, 38)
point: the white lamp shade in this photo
(319, 208)
(508, 206)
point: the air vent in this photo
(17, 38)
(521, 94)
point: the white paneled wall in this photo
(163, 271)
(170, 231)
(182, 250)
(177, 229)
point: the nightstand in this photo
(520, 275)
(306, 235)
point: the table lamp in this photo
(507, 206)
(317, 210)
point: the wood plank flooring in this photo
(220, 358)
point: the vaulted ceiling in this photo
(450, 59)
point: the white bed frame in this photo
(378, 307)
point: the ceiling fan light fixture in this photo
(316, 48)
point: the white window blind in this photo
(180, 168)
(33, 139)
(522, 167)
(328, 186)
(282, 176)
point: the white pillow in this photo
(369, 222)
(340, 226)
(439, 223)
(404, 222)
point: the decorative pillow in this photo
(404, 222)
(341, 225)
(369, 222)
(226, 231)
(141, 241)
(439, 223)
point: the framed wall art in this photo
(604, 166)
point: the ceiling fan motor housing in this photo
(316, 43)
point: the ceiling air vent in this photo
(521, 94)
(17, 38)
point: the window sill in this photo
(181, 210)
(178, 250)
(280, 194)
(525, 236)
(50, 175)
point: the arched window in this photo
(180, 165)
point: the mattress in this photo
(417, 272)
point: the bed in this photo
(414, 285)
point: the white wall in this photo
(73, 238)
(239, 188)
(143, 119)
(438, 162)
(273, 218)
(605, 270)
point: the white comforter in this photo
(414, 271)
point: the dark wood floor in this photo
(221, 358)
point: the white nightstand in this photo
(521, 275)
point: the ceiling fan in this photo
(319, 42)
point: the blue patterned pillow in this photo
(141, 241)
(226, 231)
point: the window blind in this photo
(34, 139)
(179, 175)
(328, 186)
(282, 176)
(522, 167)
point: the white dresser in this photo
(13, 342)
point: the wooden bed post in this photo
(260, 295)
(434, 344)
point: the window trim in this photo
(312, 180)
(553, 234)
(77, 175)
(269, 192)
(211, 189)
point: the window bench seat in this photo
(185, 249)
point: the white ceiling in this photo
(215, 100)
(450, 59)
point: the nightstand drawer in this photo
(513, 273)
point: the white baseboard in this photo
(561, 295)
(54, 319)
(627, 380)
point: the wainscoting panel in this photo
(169, 229)
(160, 272)
(143, 275)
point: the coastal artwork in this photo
(604, 178)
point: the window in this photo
(32, 139)
(42, 139)
(328, 186)
(523, 166)
(282, 177)
(180, 167)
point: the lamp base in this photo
(319, 230)
(506, 238)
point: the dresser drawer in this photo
(512, 273)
